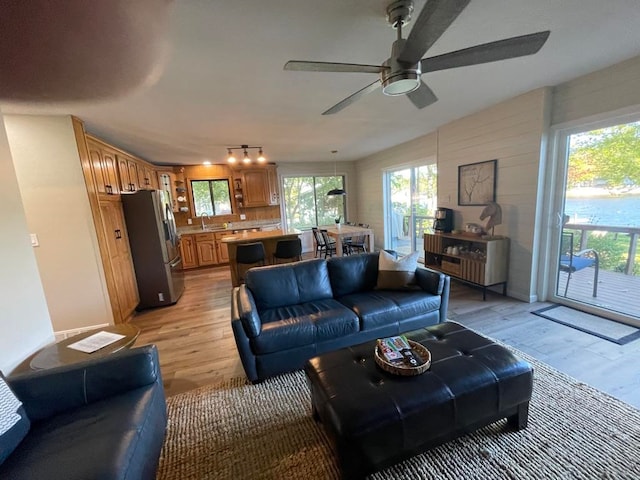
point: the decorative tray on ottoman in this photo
(400, 368)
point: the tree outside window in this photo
(306, 202)
(211, 197)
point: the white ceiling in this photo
(224, 84)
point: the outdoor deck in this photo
(616, 291)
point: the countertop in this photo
(243, 237)
(197, 227)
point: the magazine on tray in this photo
(397, 350)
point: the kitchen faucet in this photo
(202, 215)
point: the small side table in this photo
(60, 354)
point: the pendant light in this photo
(335, 191)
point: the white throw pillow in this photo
(397, 274)
(14, 423)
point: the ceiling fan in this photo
(400, 73)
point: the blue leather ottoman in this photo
(375, 419)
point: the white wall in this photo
(24, 318)
(56, 203)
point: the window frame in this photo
(316, 194)
(212, 198)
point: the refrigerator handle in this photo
(175, 262)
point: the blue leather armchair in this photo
(100, 419)
(287, 314)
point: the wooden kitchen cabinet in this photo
(126, 298)
(166, 182)
(274, 190)
(256, 187)
(105, 170)
(206, 249)
(188, 251)
(128, 171)
(147, 178)
(222, 249)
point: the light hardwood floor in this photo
(196, 344)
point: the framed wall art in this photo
(477, 183)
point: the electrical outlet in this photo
(34, 240)
(189, 221)
(243, 216)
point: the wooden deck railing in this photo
(633, 233)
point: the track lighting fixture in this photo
(245, 158)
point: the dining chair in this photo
(329, 244)
(359, 244)
(346, 241)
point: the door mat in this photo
(604, 328)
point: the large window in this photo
(211, 197)
(306, 202)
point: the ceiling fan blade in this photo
(487, 52)
(423, 96)
(351, 99)
(434, 19)
(301, 65)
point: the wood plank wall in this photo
(511, 132)
(606, 90)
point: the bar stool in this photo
(248, 254)
(289, 250)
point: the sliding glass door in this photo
(411, 199)
(597, 267)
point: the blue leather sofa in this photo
(100, 419)
(286, 314)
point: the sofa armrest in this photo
(436, 283)
(243, 308)
(430, 280)
(45, 393)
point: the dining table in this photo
(339, 232)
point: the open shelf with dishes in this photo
(481, 261)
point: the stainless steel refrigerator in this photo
(155, 248)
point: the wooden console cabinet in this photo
(475, 260)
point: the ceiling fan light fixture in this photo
(401, 84)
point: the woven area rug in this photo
(237, 431)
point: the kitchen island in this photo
(268, 238)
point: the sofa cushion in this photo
(353, 274)
(397, 274)
(380, 307)
(289, 284)
(304, 324)
(14, 423)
